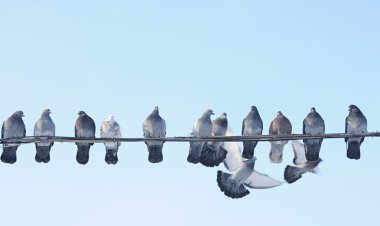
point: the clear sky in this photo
(125, 57)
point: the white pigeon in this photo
(293, 173)
(242, 173)
(111, 129)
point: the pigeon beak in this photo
(212, 113)
(22, 115)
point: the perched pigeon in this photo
(44, 127)
(84, 127)
(356, 123)
(293, 173)
(313, 124)
(279, 126)
(12, 127)
(242, 173)
(202, 128)
(154, 127)
(252, 125)
(212, 152)
(111, 129)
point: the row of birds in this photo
(208, 153)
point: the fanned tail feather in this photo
(229, 187)
(292, 174)
(212, 156)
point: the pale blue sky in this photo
(125, 57)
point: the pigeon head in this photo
(111, 117)
(209, 112)
(155, 110)
(253, 108)
(353, 108)
(279, 113)
(81, 113)
(46, 111)
(223, 115)
(19, 114)
(312, 110)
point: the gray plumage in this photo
(202, 128)
(111, 129)
(252, 125)
(313, 124)
(356, 123)
(154, 127)
(294, 173)
(84, 127)
(212, 152)
(12, 127)
(279, 126)
(44, 127)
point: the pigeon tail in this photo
(9, 154)
(111, 156)
(292, 174)
(43, 153)
(249, 149)
(353, 150)
(155, 153)
(276, 151)
(212, 156)
(312, 150)
(195, 152)
(83, 153)
(229, 187)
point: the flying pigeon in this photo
(252, 125)
(356, 123)
(44, 127)
(313, 124)
(202, 128)
(111, 129)
(279, 126)
(154, 127)
(212, 152)
(12, 127)
(84, 127)
(242, 173)
(293, 173)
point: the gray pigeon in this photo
(111, 129)
(242, 173)
(293, 173)
(212, 152)
(202, 128)
(356, 123)
(279, 126)
(84, 127)
(44, 127)
(313, 124)
(12, 127)
(154, 127)
(252, 125)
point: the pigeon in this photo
(252, 125)
(293, 173)
(84, 127)
(279, 126)
(242, 174)
(12, 127)
(202, 128)
(44, 127)
(154, 127)
(313, 124)
(111, 129)
(356, 123)
(212, 152)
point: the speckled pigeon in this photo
(356, 123)
(293, 173)
(252, 125)
(154, 127)
(12, 127)
(279, 126)
(202, 128)
(111, 129)
(313, 124)
(84, 128)
(242, 173)
(44, 127)
(212, 152)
